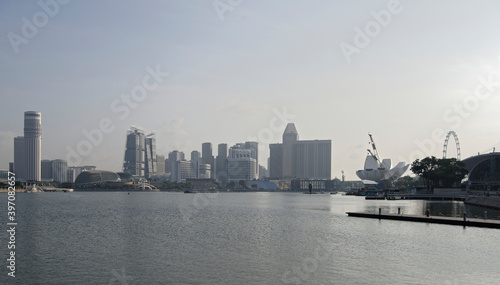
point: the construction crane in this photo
(381, 166)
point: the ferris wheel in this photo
(457, 143)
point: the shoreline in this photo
(492, 202)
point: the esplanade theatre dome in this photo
(484, 171)
(97, 176)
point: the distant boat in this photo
(190, 192)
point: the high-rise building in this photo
(70, 176)
(173, 158)
(140, 153)
(207, 156)
(290, 136)
(240, 169)
(182, 172)
(262, 172)
(33, 145)
(196, 156)
(312, 159)
(308, 159)
(59, 170)
(241, 163)
(255, 147)
(221, 162)
(203, 171)
(19, 158)
(133, 162)
(150, 162)
(47, 170)
(195, 162)
(160, 160)
(276, 160)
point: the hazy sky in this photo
(337, 69)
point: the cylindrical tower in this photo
(33, 145)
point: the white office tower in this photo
(241, 164)
(59, 170)
(33, 145)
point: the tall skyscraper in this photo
(207, 156)
(140, 153)
(308, 159)
(160, 162)
(47, 170)
(133, 162)
(195, 156)
(33, 145)
(290, 136)
(312, 159)
(255, 147)
(70, 176)
(173, 158)
(19, 158)
(221, 162)
(276, 160)
(150, 162)
(195, 163)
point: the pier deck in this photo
(432, 219)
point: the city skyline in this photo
(245, 75)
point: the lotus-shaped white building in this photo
(378, 173)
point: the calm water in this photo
(240, 238)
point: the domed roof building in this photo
(126, 177)
(96, 177)
(484, 171)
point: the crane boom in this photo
(375, 152)
(381, 167)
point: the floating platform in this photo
(432, 219)
(425, 197)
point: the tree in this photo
(450, 172)
(242, 183)
(446, 172)
(403, 182)
(425, 168)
